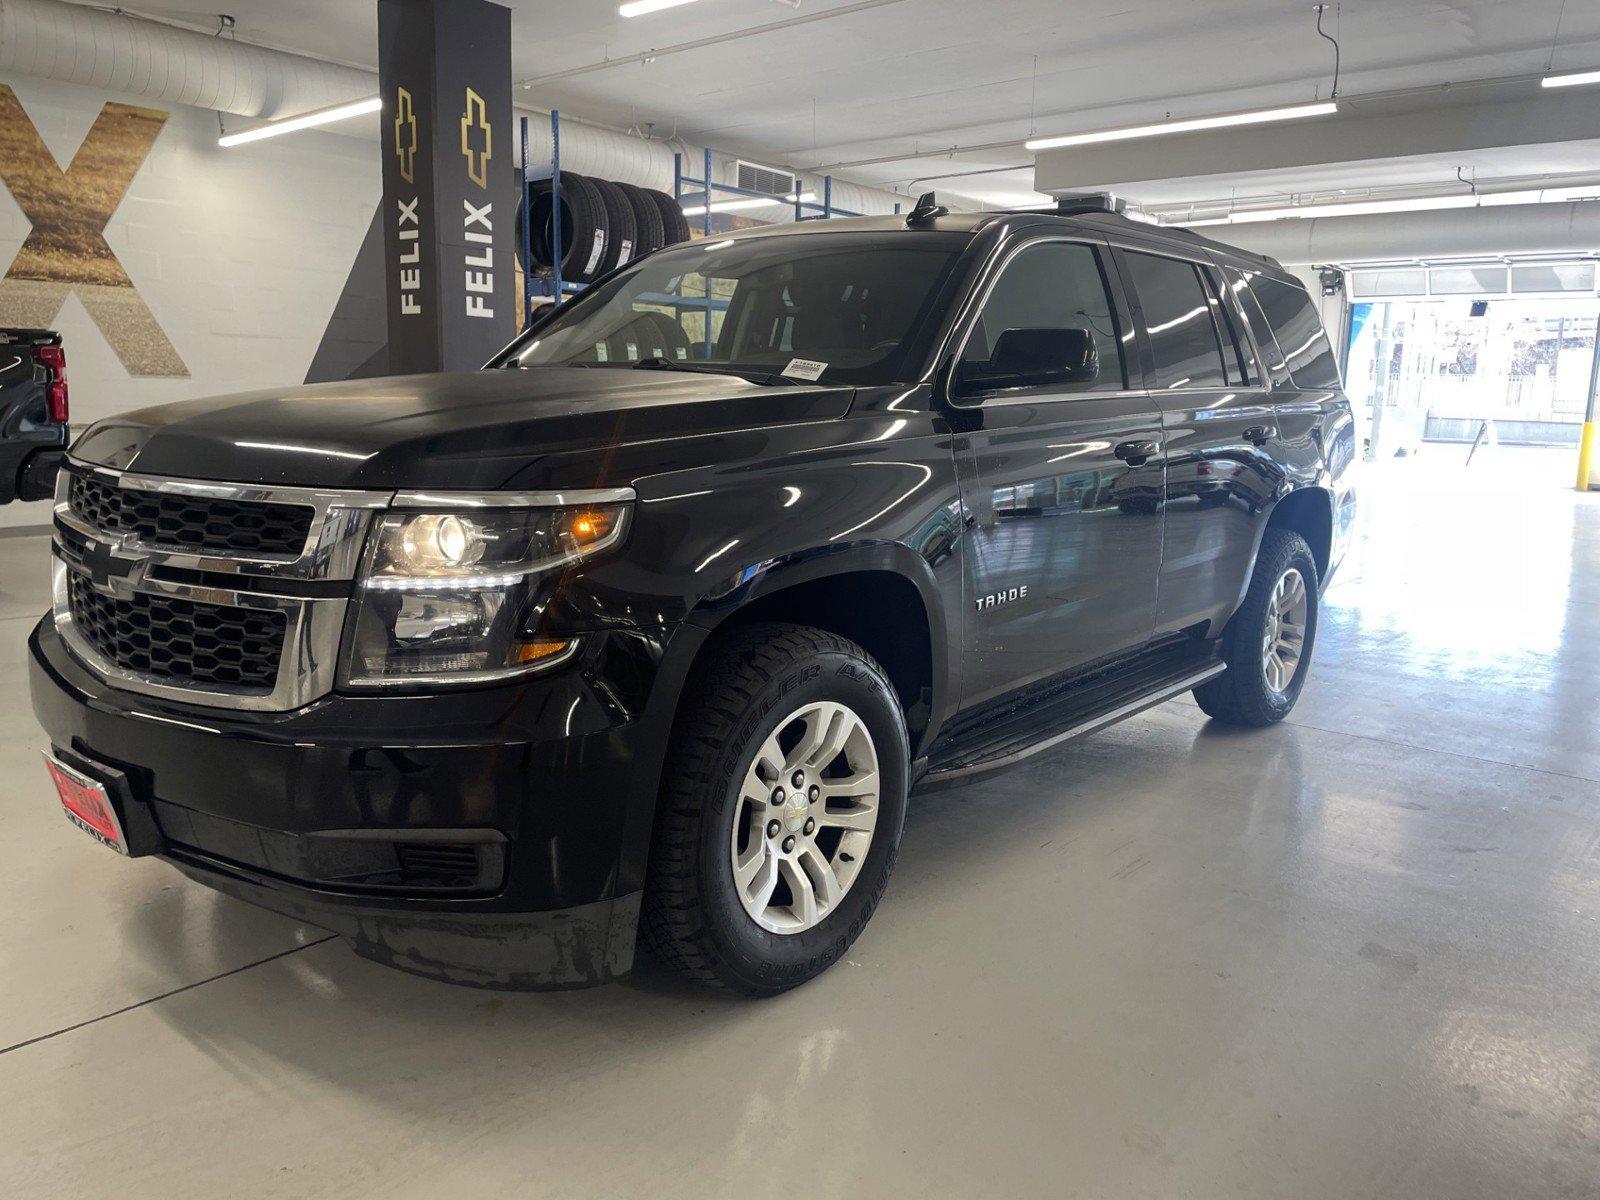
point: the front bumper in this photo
(580, 946)
(550, 781)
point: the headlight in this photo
(457, 597)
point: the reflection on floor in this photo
(1356, 955)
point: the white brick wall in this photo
(241, 254)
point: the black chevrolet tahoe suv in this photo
(645, 632)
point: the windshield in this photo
(852, 307)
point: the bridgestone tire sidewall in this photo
(622, 227)
(588, 222)
(648, 218)
(674, 225)
(772, 960)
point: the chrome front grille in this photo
(180, 640)
(207, 593)
(189, 522)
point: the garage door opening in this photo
(1500, 382)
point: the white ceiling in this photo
(915, 75)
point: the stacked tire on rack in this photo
(603, 224)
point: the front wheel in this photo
(780, 812)
(1267, 643)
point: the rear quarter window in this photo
(1295, 325)
(1177, 313)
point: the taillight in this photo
(55, 358)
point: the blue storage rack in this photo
(804, 210)
(554, 286)
(535, 285)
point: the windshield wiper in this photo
(657, 363)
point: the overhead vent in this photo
(753, 177)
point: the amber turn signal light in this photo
(588, 526)
(523, 653)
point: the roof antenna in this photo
(928, 209)
(1334, 95)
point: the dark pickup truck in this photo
(33, 413)
(646, 632)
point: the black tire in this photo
(1241, 694)
(674, 225)
(583, 225)
(647, 219)
(693, 920)
(622, 228)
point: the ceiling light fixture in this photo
(1260, 116)
(1367, 208)
(721, 206)
(321, 116)
(1354, 208)
(1573, 79)
(638, 8)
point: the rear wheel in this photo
(780, 814)
(1268, 642)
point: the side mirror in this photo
(1034, 358)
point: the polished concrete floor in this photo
(1357, 955)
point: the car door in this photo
(1219, 426)
(1062, 482)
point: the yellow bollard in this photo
(1586, 441)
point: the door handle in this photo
(1261, 434)
(1135, 453)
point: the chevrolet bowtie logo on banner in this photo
(449, 207)
(405, 135)
(476, 118)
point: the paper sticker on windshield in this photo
(805, 368)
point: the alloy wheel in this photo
(807, 808)
(1284, 639)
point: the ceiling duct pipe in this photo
(135, 57)
(607, 154)
(129, 56)
(1555, 229)
(594, 150)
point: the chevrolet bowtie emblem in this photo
(405, 134)
(111, 573)
(476, 117)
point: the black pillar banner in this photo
(449, 186)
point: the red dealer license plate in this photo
(87, 804)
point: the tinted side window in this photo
(1237, 359)
(1177, 317)
(1301, 337)
(1277, 369)
(1053, 285)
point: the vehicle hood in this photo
(548, 426)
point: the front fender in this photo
(708, 543)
